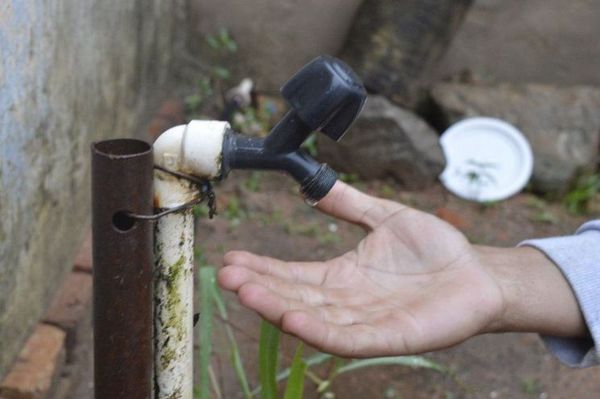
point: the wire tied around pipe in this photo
(205, 192)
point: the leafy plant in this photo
(478, 173)
(586, 188)
(222, 41)
(310, 145)
(255, 122)
(223, 46)
(541, 213)
(210, 298)
(234, 212)
(531, 387)
(349, 178)
(341, 366)
(236, 358)
(295, 385)
(201, 210)
(253, 182)
(268, 355)
(207, 282)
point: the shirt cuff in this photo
(578, 258)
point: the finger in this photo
(352, 340)
(296, 272)
(234, 277)
(273, 306)
(349, 204)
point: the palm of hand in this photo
(413, 284)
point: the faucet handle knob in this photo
(326, 95)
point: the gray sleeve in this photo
(578, 257)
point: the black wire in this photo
(204, 188)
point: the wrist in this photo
(536, 297)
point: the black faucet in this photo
(325, 95)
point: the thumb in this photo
(349, 204)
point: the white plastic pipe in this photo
(193, 149)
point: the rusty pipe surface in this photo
(122, 173)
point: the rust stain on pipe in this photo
(122, 172)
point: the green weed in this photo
(310, 145)
(531, 387)
(253, 182)
(234, 212)
(541, 213)
(586, 188)
(222, 45)
(349, 178)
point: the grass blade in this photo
(236, 358)
(313, 360)
(295, 385)
(268, 355)
(214, 383)
(411, 361)
(207, 281)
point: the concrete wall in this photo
(544, 41)
(71, 71)
(275, 37)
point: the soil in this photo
(274, 221)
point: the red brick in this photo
(69, 306)
(71, 301)
(83, 259)
(38, 363)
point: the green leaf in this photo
(204, 85)
(268, 356)
(295, 385)
(221, 72)
(231, 46)
(310, 145)
(411, 361)
(207, 281)
(192, 102)
(201, 211)
(313, 360)
(212, 42)
(236, 358)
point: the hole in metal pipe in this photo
(122, 221)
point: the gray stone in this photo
(275, 37)
(71, 71)
(387, 141)
(562, 124)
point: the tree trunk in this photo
(394, 44)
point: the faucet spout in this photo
(242, 152)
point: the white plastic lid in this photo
(487, 159)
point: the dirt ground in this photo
(269, 217)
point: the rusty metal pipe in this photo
(122, 173)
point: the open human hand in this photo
(412, 285)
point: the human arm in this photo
(578, 258)
(413, 284)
